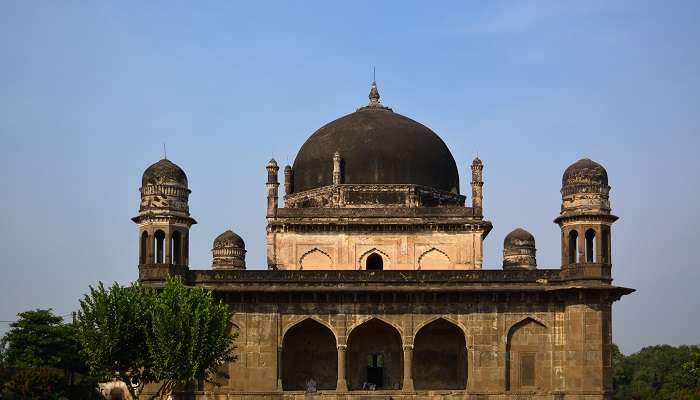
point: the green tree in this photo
(172, 336)
(40, 358)
(657, 373)
(112, 325)
(189, 338)
(40, 339)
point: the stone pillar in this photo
(288, 180)
(477, 186)
(167, 257)
(272, 186)
(408, 368)
(598, 252)
(150, 245)
(342, 385)
(337, 177)
(581, 245)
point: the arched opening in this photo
(159, 246)
(528, 356)
(590, 245)
(573, 246)
(315, 259)
(605, 250)
(375, 357)
(143, 248)
(176, 248)
(434, 259)
(309, 352)
(439, 357)
(375, 262)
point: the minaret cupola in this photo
(164, 216)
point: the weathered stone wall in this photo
(348, 251)
(569, 343)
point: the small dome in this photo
(164, 172)
(519, 238)
(228, 252)
(229, 239)
(585, 172)
(519, 250)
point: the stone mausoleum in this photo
(374, 287)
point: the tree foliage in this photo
(139, 336)
(656, 372)
(112, 324)
(189, 337)
(40, 359)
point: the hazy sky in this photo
(89, 91)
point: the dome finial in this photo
(374, 95)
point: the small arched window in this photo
(375, 262)
(590, 245)
(159, 244)
(177, 248)
(573, 247)
(143, 248)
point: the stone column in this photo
(598, 251)
(342, 385)
(168, 248)
(150, 246)
(408, 368)
(581, 244)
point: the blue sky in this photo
(89, 91)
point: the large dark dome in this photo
(377, 146)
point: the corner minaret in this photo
(477, 185)
(164, 217)
(585, 219)
(272, 187)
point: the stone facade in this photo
(375, 287)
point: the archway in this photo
(440, 357)
(315, 259)
(143, 252)
(590, 246)
(573, 247)
(527, 351)
(159, 246)
(375, 356)
(375, 262)
(309, 352)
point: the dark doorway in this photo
(440, 357)
(374, 356)
(309, 352)
(375, 262)
(375, 370)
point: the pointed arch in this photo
(313, 318)
(434, 258)
(369, 318)
(528, 346)
(440, 356)
(315, 259)
(447, 319)
(374, 355)
(309, 351)
(361, 261)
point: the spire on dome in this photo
(374, 95)
(374, 103)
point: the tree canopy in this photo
(656, 373)
(172, 336)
